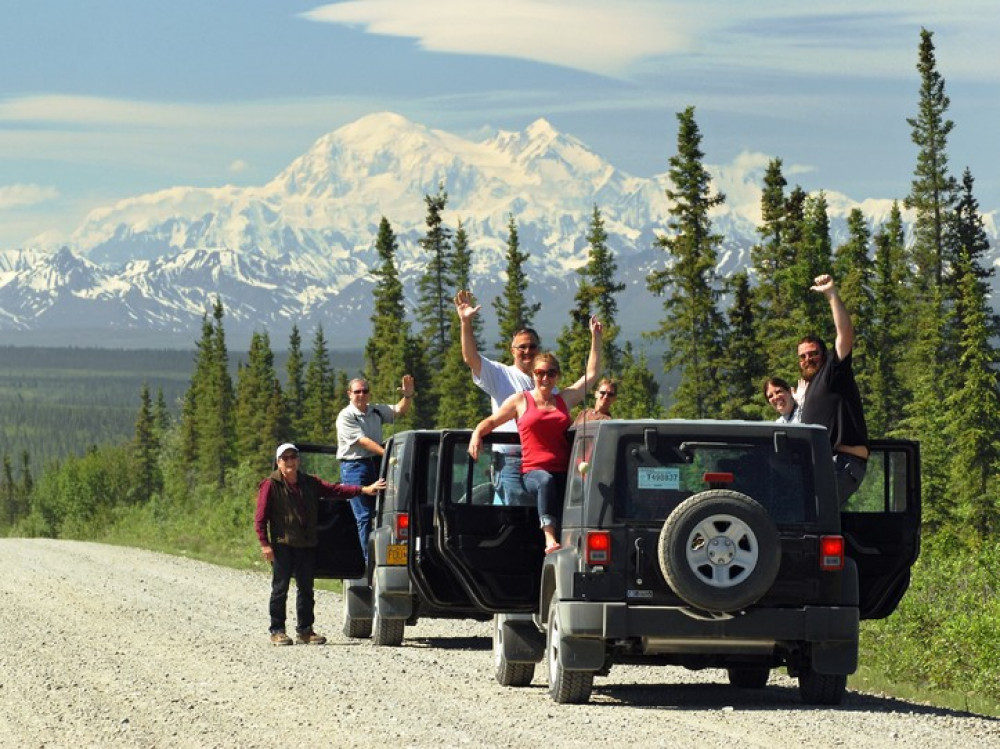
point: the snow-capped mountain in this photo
(299, 248)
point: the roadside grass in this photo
(871, 681)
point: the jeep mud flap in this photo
(358, 598)
(394, 598)
(522, 641)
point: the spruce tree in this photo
(216, 423)
(854, 274)
(146, 449)
(744, 364)
(773, 262)
(887, 334)
(260, 425)
(190, 409)
(390, 353)
(319, 409)
(512, 308)
(208, 424)
(595, 295)
(161, 415)
(638, 390)
(692, 325)
(927, 416)
(459, 403)
(295, 386)
(973, 396)
(434, 311)
(933, 189)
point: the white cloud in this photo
(239, 166)
(627, 36)
(20, 195)
(593, 35)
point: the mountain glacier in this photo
(299, 249)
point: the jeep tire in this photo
(821, 689)
(387, 632)
(353, 627)
(719, 550)
(508, 674)
(565, 687)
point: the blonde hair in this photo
(546, 357)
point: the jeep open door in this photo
(881, 525)
(430, 574)
(495, 550)
(339, 554)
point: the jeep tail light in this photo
(831, 553)
(402, 527)
(598, 549)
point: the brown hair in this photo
(775, 382)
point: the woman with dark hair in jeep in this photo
(542, 416)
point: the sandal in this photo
(553, 547)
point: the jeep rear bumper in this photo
(831, 631)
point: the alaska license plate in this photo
(396, 554)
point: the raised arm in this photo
(576, 392)
(841, 318)
(406, 398)
(465, 310)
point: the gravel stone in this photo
(112, 646)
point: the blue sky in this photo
(106, 99)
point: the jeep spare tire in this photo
(719, 551)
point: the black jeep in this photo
(406, 577)
(690, 543)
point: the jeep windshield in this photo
(656, 473)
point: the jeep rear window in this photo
(650, 485)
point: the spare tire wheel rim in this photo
(722, 551)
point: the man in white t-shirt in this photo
(500, 381)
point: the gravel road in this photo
(108, 646)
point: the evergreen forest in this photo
(925, 357)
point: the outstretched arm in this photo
(576, 392)
(506, 412)
(841, 319)
(465, 310)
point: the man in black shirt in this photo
(830, 394)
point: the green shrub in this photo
(946, 632)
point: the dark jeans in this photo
(850, 471)
(300, 563)
(548, 489)
(362, 473)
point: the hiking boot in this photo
(280, 638)
(308, 637)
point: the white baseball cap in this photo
(282, 447)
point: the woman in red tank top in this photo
(542, 420)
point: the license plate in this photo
(396, 554)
